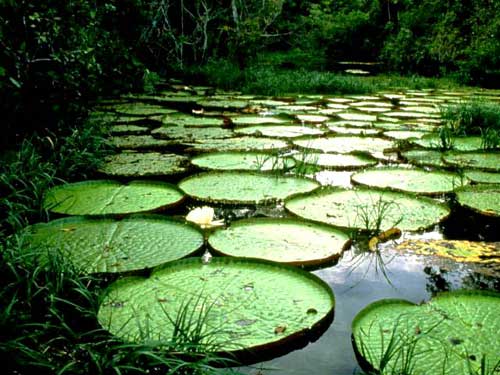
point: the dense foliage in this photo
(56, 56)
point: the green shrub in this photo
(474, 117)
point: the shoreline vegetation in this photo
(58, 58)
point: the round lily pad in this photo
(312, 118)
(345, 145)
(487, 161)
(431, 158)
(357, 117)
(239, 144)
(102, 197)
(188, 120)
(453, 334)
(362, 209)
(460, 251)
(191, 134)
(128, 130)
(289, 241)
(131, 164)
(138, 142)
(239, 305)
(410, 180)
(244, 187)
(353, 131)
(255, 161)
(458, 143)
(108, 245)
(336, 161)
(142, 109)
(483, 177)
(279, 131)
(404, 134)
(484, 199)
(256, 120)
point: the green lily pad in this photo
(408, 114)
(374, 109)
(371, 104)
(353, 131)
(254, 161)
(312, 118)
(223, 104)
(142, 109)
(484, 199)
(188, 120)
(357, 117)
(108, 245)
(460, 251)
(451, 334)
(138, 142)
(191, 134)
(244, 187)
(362, 209)
(103, 197)
(128, 130)
(487, 161)
(404, 134)
(256, 120)
(483, 177)
(279, 131)
(289, 241)
(336, 161)
(240, 304)
(239, 144)
(132, 164)
(410, 180)
(345, 145)
(458, 143)
(424, 157)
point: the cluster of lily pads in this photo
(231, 150)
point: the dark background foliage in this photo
(58, 56)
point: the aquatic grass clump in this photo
(473, 117)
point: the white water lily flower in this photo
(204, 217)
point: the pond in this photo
(351, 167)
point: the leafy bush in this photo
(474, 117)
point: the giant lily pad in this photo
(240, 304)
(362, 209)
(345, 145)
(458, 143)
(484, 199)
(488, 161)
(142, 109)
(139, 142)
(256, 120)
(280, 131)
(255, 161)
(101, 197)
(336, 161)
(410, 180)
(131, 164)
(244, 187)
(460, 251)
(451, 334)
(191, 134)
(419, 157)
(288, 241)
(109, 245)
(483, 177)
(239, 144)
(188, 120)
